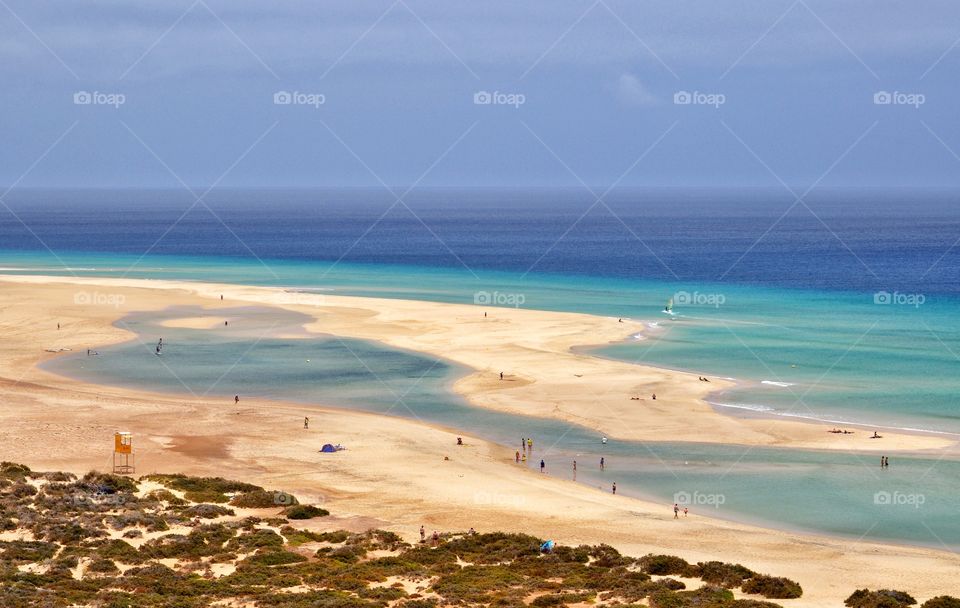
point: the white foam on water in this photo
(743, 406)
(780, 384)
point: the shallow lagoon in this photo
(914, 501)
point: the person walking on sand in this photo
(306, 422)
(236, 399)
(601, 463)
(676, 511)
(501, 375)
(518, 456)
(423, 534)
(543, 465)
(685, 511)
(614, 487)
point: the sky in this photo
(597, 94)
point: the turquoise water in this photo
(834, 356)
(826, 492)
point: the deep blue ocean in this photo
(842, 307)
(835, 240)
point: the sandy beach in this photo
(394, 474)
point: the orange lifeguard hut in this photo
(123, 453)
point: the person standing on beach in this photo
(518, 456)
(601, 463)
(306, 422)
(501, 375)
(543, 465)
(676, 511)
(236, 399)
(530, 443)
(614, 487)
(423, 534)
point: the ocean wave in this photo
(780, 384)
(638, 337)
(743, 406)
(834, 420)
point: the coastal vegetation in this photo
(185, 542)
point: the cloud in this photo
(632, 92)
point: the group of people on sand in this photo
(702, 379)
(846, 432)
(435, 537)
(676, 511)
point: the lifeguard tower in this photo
(123, 453)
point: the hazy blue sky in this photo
(598, 78)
